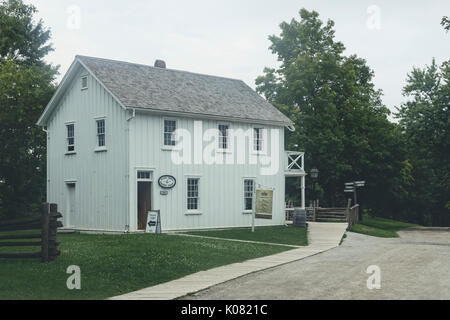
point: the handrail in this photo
(352, 214)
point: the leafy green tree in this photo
(26, 85)
(21, 38)
(425, 122)
(340, 120)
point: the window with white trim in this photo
(101, 132)
(192, 193)
(169, 132)
(248, 194)
(84, 82)
(144, 175)
(223, 136)
(70, 137)
(258, 139)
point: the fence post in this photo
(347, 210)
(45, 219)
(314, 210)
(53, 224)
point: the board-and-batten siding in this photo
(221, 186)
(106, 184)
(100, 177)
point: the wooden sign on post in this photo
(263, 204)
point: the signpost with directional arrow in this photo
(351, 187)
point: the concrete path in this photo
(321, 236)
(236, 240)
(414, 266)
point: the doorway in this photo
(144, 202)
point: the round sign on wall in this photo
(167, 181)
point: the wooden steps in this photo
(322, 214)
(331, 214)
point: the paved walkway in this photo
(414, 267)
(322, 237)
(237, 240)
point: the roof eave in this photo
(101, 83)
(210, 117)
(42, 121)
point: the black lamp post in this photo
(314, 175)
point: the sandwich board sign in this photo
(153, 222)
(263, 203)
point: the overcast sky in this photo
(229, 38)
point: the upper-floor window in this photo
(248, 194)
(84, 82)
(169, 132)
(223, 136)
(101, 131)
(258, 139)
(70, 137)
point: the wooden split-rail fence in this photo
(316, 213)
(46, 239)
(331, 214)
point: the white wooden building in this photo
(115, 128)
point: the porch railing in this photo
(295, 163)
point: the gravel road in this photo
(414, 266)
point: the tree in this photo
(26, 85)
(22, 39)
(340, 120)
(425, 122)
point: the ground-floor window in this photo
(192, 193)
(248, 194)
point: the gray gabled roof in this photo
(166, 90)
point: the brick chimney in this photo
(160, 64)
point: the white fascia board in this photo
(101, 83)
(63, 86)
(207, 116)
(56, 95)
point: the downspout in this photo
(127, 226)
(47, 176)
(133, 115)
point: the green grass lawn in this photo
(380, 227)
(274, 234)
(116, 264)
